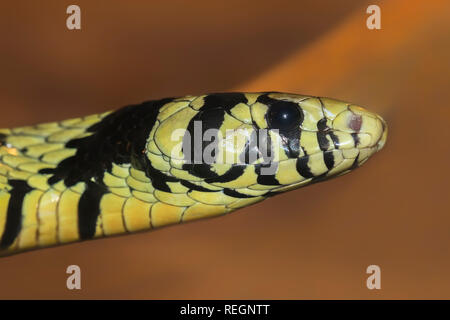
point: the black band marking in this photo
(201, 170)
(355, 163)
(118, 138)
(225, 100)
(322, 125)
(328, 158)
(265, 179)
(208, 119)
(355, 139)
(193, 186)
(2, 139)
(303, 168)
(324, 144)
(211, 116)
(325, 130)
(89, 209)
(14, 214)
(159, 180)
(232, 174)
(334, 138)
(235, 194)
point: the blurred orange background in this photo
(310, 243)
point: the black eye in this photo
(284, 115)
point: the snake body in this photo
(121, 172)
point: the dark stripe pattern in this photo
(303, 168)
(266, 179)
(89, 209)
(14, 214)
(211, 116)
(2, 139)
(328, 158)
(118, 138)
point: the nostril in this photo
(355, 122)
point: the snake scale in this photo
(123, 171)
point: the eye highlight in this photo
(284, 115)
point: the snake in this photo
(173, 160)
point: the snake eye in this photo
(284, 115)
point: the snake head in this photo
(313, 125)
(262, 143)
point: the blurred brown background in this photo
(311, 243)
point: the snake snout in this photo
(368, 129)
(382, 140)
(360, 130)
